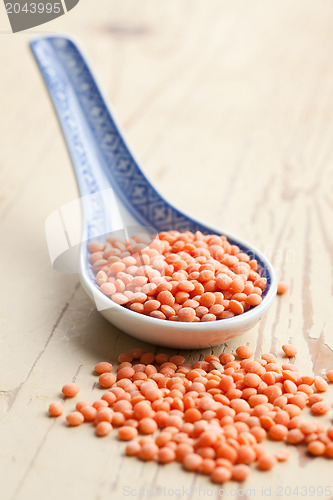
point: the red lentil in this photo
(147, 425)
(56, 409)
(89, 413)
(320, 408)
(70, 390)
(192, 461)
(329, 450)
(148, 451)
(127, 432)
(103, 428)
(107, 379)
(81, 404)
(166, 455)
(240, 472)
(101, 403)
(316, 448)
(282, 287)
(103, 367)
(295, 436)
(221, 475)
(330, 432)
(278, 432)
(75, 418)
(320, 384)
(132, 449)
(266, 462)
(289, 350)
(244, 352)
(104, 415)
(282, 455)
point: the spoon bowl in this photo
(116, 196)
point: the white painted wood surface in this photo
(229, 107)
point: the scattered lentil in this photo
(103, 367)
(103, 428)
(282, 287)
(107, 379)
(210, 415)
(290, 350)
(75, 418)
(266, 462)
(244, 352)
(127, 432)
(70, 390)
(56, 409)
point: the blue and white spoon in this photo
(116, 195)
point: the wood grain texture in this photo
(229, 107)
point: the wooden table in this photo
(229, 108)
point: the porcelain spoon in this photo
(116, 196)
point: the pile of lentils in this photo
(212, 416)
(186, 276)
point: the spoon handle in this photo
(100, 155)
(72, 90)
